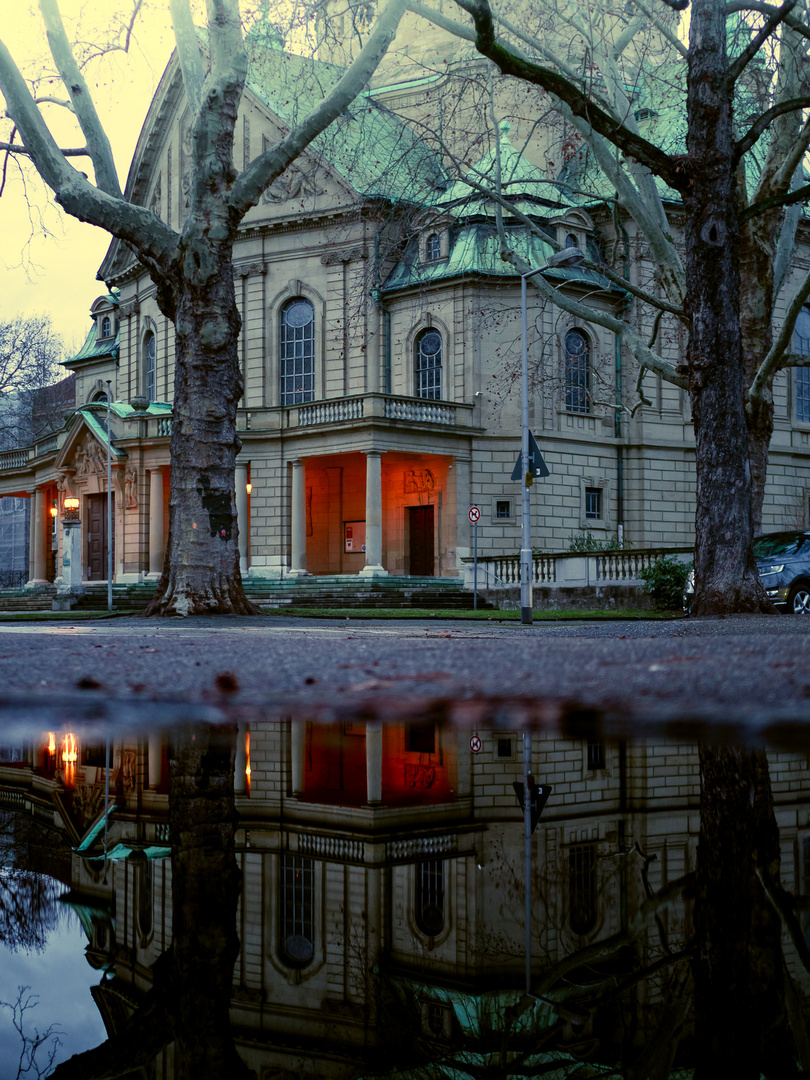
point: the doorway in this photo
(420, 520)
(97, 538)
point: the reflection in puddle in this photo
(352, 904)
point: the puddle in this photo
(342, 892)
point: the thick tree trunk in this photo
(740, 1013)
(205, 892)
(201, 574)
(725, 571)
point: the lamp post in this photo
(567, 257)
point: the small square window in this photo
(593, 504)
(503, 508)
(504, 748)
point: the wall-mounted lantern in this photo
(71, 509)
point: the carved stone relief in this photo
(415, 480)
(89, 457)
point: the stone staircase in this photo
(332, 591)
(39, 599)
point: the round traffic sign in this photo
(474, 514)
(475, 744)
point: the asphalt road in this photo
(740, 674)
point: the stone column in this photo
(36, 557)
(374, 734)
(298, 554)
(298, 743)
(374, 566)
(155, 745)
(155, 522)
(241, 760)
(242, 518)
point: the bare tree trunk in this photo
(201, 574)
(740, 1011)
(205, 892)
(725, 571)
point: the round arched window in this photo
(149, 366)
(577, 372)
(429, 364)
(297, 352)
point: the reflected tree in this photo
(38, 1049)
(189, 1001)
(29, 891)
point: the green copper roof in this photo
(475, 251)
(368, 145)
(94, 349)
(518, 178)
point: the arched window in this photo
(100, 397)
(149, 366)
(297, 903)
(430, 896)
(429, 364)
(577, 372)
(801, 375)
(433, 248)
(106, 326)
(571, 240)
(297, 352)
(582, 888)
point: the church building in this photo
(380, 350)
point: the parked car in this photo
(783, 562)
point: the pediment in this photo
(84, 452)
(575, 218)
(366, 153)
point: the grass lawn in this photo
(482, 615)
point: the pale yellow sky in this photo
(56, 273)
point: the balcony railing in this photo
(330, 412)
(14, 459)
(369, 407)
(569, 569)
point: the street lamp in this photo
(567, 257)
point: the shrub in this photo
(587, 542)
(664, 581)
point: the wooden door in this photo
(97, 537)
(421, 540)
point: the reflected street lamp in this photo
(567, 257)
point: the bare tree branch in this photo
(772, 362)
(752, 48)
(512, 62)
(17, 148)
(763, 122)
(188, 52)
(265, 168)
(98, 144)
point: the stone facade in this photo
(376, 443)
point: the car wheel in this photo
(799, 600)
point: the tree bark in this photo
(201, 573)
(205, 892)
(740, 1011)
(725, 570)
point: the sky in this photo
(61, 978)
(48, 261)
